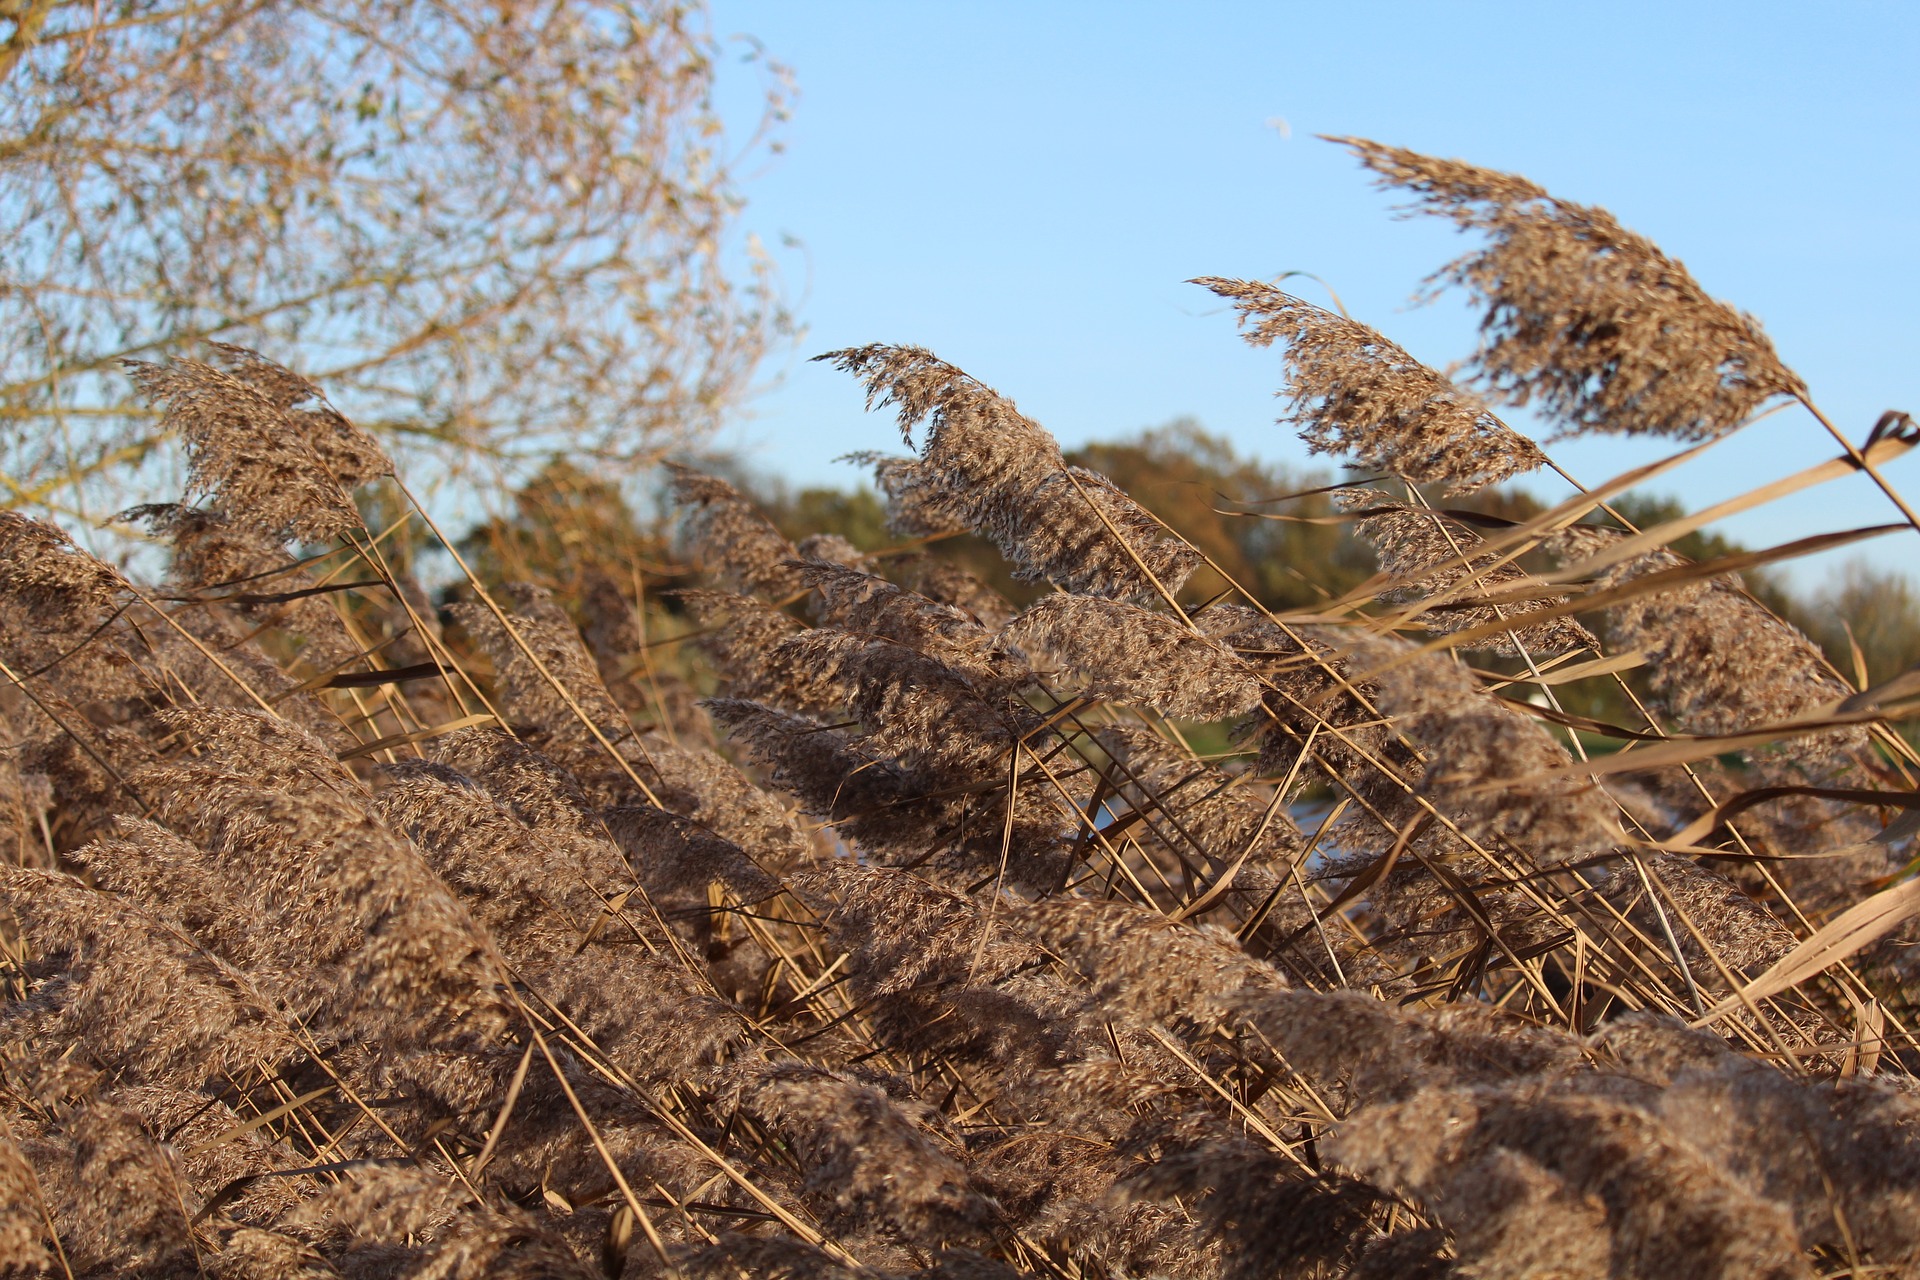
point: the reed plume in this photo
(635, 926)
(136, 990)
(730, 538)
(1719, 659)
(1354, 392)
(867, 797)
(214, 556)
(867, 1154)
(912, 489)
(1486, 763)
(988, 468)
(948, 583)
(859, 602)
(1129, 655)
(1427, 555)
(918, 709)
(1583, 316)
(282, 472)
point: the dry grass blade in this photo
(1690, 749)
(1848, 933)
(1681, 574)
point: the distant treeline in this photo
(1292, 551)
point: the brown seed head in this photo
(1354, 392)
(1589, 319)
(283, 473)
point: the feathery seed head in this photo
(1589, 319)
(282, 472)
(1129, 655)
(1413, 542)
(1356, 393)
(730, 538)
(984, 466)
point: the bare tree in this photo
(493, 230)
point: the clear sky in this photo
(1025, 187)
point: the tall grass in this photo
(348, 936)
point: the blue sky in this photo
(1025, 187)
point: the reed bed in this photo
(904, 932)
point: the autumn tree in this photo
(492, 231)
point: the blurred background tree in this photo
(1876, 610)
(493, 231)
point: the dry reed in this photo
(1122, 932)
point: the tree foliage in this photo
(492, 230)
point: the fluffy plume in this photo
(1353, 392)
(136, 991)
(914, 707)
(1413, 542)
(118, 1196)
(988, 468)
(306, 983)
(1839, 1157)
(1143, 965)
(1368, 1051)
(1585, 317)
(948, 583)
(742, 638)
(1485, 760)
(910, 934)
(345, 913)
(730, 538)
(776, 1258)
(866, 1153)
(538, 791)
(1310, 701)
(831, 548)
(47, 580)
(212, 552)
(1744, 935)
(527, 695)
(1604, 1179)
(56, 605)
(23, 1246)
(252, 1254)
(26, 796)
(1128, 655)
(508, 1243)
(534, 889)
(1719, 659)
(278, 471)
(1258, 1207)
(860, 602)
(388, 1206)
(702, 785)
(669, 852)
(914, 508)
(867, 797)
(351, 455)
(901, 814)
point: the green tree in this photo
(1287, 555)
(1877, 610)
